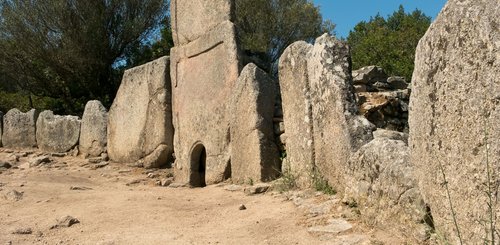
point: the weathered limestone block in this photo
(297, 112)
(203, 74)
(454, 118)
(320, 109)
(93, 135)
(57, 133)
(383, 185)
(140, 120)
(19, 129)
(191, 19)
(254, 154)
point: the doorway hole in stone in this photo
(198, 166)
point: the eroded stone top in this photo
(193, 18)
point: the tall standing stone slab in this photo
(93, 135)
(19, 129)
(1, 127)
(297, 112)
(254, 155)
(454, 119)
(140, 123)
(204, 69)
(57, 133)
(338, 129)
(320, 109)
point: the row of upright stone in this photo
(217, 115)
(446, 176)
(328, 139)
(54, 133)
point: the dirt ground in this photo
(116, 204)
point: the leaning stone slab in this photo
(203, 74)
(57, 133)
(192, 19)
(454, 119)
(254, 155)
(93, 136)
(140, 119)
(19, 129)
(338, 129)
(297, 112)
(319, 104)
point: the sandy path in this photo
(112, 212)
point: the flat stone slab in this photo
(335, 226)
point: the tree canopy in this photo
(70, 49)
(267, 27)
(62, 53)
(389, 43)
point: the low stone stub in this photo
(93, 135)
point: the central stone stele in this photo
(205, 64)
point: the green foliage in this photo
(267, 27)
(389, 43)
(320, 184)
(288, 180)
(151, 51)
(69, 49)
(250, 182)
(25, 103)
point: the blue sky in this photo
(347, 13)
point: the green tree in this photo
(267, 27)
(154, 49)
(70, 49)
(389, 43)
